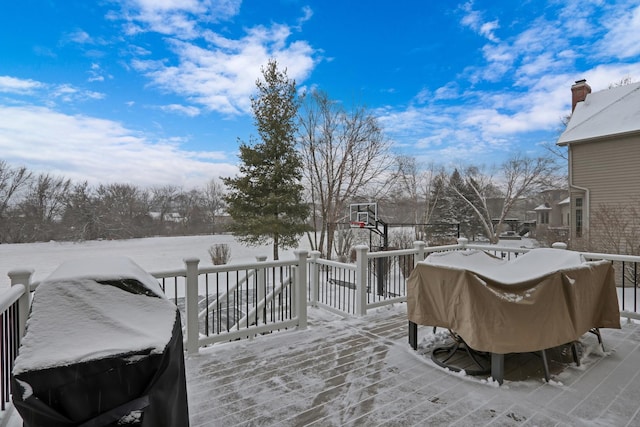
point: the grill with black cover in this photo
(102, 347)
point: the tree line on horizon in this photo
(44, 207)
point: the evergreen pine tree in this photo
(459, 209)
(265, 201)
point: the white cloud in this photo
(623, 37)
(222, 77)
(577, 16)
(187, 110)
(500, 59)
(100, 151)
(80, 37)
(488, 122)
(48, 93)
(97, 74)
(540, 65)
(414, 121)
(474, 20)
(451, 90)
(15, 85)
(308, 13)
(68, 94)
(454, 147)
(207, 68)
(487, 29)
(179, 18)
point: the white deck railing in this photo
(228, 302)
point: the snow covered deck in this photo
(362, 371)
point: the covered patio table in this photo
(541, 299)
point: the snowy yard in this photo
(152, 254)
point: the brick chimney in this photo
(579, 92)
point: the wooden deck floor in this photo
(362, 372)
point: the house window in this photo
(544, 217)
(579, 217)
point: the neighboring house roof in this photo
(543, 207)
(613, 111)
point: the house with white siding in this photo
(603, 141)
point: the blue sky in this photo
(158, 91)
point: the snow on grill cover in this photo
(102, 347)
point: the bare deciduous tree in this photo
(189, 205)
(615, 228)
(519, 177)
(163, 200)
(81, 218)
(11, 181)
(123, 210)
(343, 153)
(213, 199)
(419, 187)
(43, 206)
(622, 82)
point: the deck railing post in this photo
(191, 306)
(22, 277)
(362, 273)
(315, 277)
(261, 290)
(462, 241)
(301, 288)
(418, 246)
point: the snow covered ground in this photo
(152, 254)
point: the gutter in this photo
(586, 207)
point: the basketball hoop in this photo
(357, 224)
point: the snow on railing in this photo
(228, 302)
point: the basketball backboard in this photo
(363, 215)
